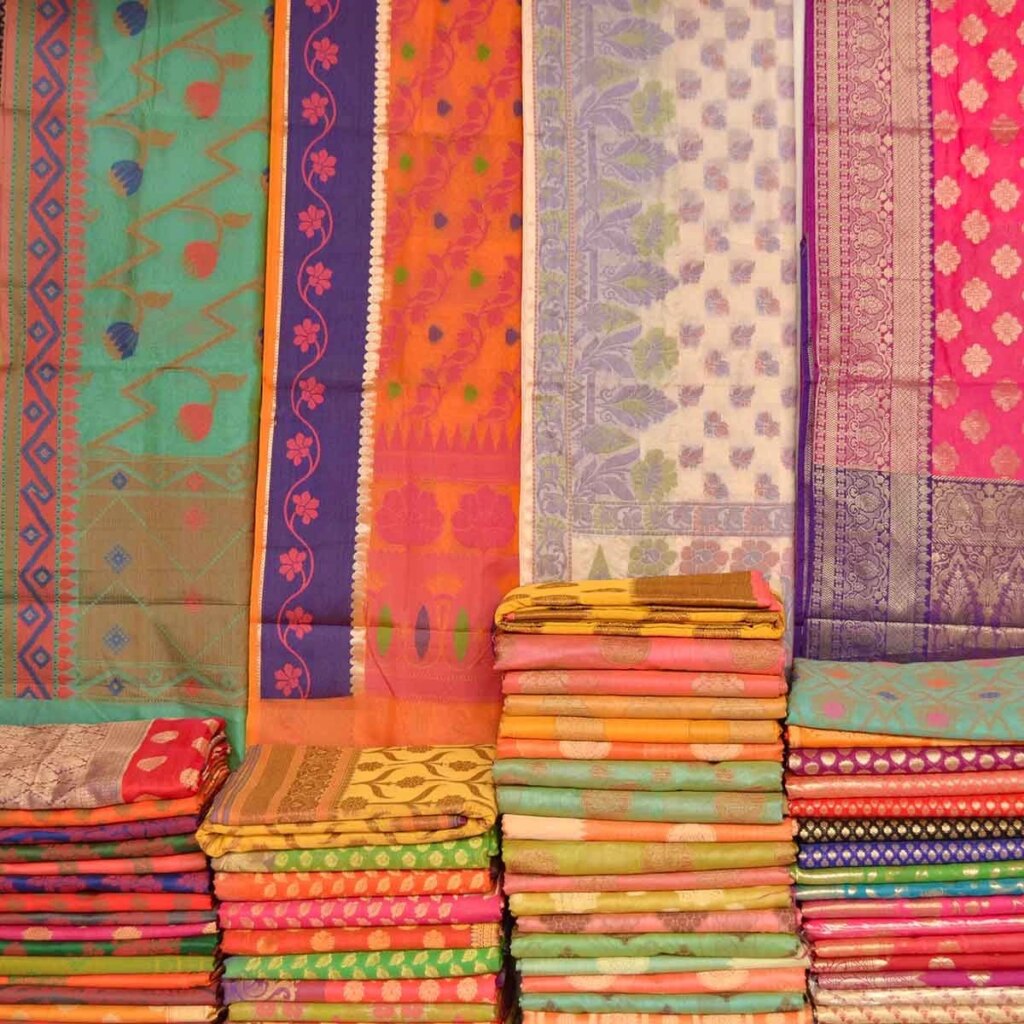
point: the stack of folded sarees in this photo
(106, 911)
(908, 783)
(359, 885)
(639, 773)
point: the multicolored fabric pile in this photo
(639, 775)
(106, 912)
(908, 783)
(359, 885)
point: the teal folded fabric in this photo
(610, 805)
(962, 700)
(585, 1002)
(654, 776)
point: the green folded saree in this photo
(688, 944)
(620, 805)
(586, 1002)
(751, 897)
(381, 966)
(186, 945)
(35, 852)
(561, 966)
(538, 857)
(72, 965)
(652, 776)
(475, 852)
(910, 873)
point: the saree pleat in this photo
(620, 805)
(649, 881)
(739, 776)
(533, 827)
(750, 898)
(480, 989)
(340, 940)
(643, 683)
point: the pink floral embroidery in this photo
(312, 392)
(311, 220)
(293, 563)
(307, 334)
(319, 278)
(307, 508)
(484, 519)
(409, 516)
(325, 52)
(299, 621)
(298, 448)
(316, 6)
(323, 165)
(288, 679)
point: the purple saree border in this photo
(305, 609)
(803, 540)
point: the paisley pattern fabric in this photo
(443, 963)
(52, 767)
(325, 885)
(474, 852)
(470, 989)
(659, 289)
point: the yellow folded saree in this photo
(731, 605)
(287, 798)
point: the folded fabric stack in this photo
(908, 783)
(106, 910)
(639, 775)
(359, 885)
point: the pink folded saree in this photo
(769, 979)
(923, 945)
(624, 683)
(363, 913)
(298, 885)
(802, 1016)
(873, 927)
(940, 907)
(523, 651)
